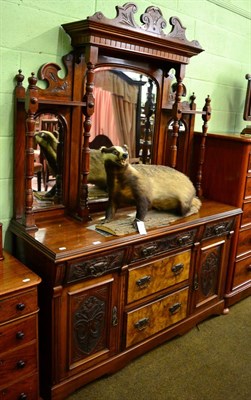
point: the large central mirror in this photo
(124, 114)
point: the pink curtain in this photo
(115, 109)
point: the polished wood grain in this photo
(229, 182)
(92, 319)
(18, 330)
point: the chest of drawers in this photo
(227, 178)
(18, 331)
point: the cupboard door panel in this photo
(209, 272)
(92, 322)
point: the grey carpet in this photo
(210, 362)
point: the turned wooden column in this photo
(177, 115)
(31, 107)
(206, 115)
(88, 110)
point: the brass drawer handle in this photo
(20, 335)
(141, 324)
(20, 364)
(178, 268)
(219, 229)
(23, 396)
(175, 308)
(20, 306)
(148, 251)
(143, 282)
(183, 239)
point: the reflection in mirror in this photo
(48, 147)
(124, 114)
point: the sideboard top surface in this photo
(62, 237)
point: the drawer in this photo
(158, 275)
(242, 272)
(92, 267)
(22, 304)
(156, 316)
(15, 365)
(219, 228)
(246, 216)
(244, 242)
(18, 333)
(170, 242)
(26, 387)
(248, 188)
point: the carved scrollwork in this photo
(159, 246)
(88, 268)
(209, 274)
(124, 15)
(153, 20)
(89, 321)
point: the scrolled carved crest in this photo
(152, 22)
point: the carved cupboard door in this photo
(208, 284)
(90, 323)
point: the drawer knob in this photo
(22, 396)
(175, 308)
(20, 335)
(141, 324)
(143, 282)
(20, 306)
(177, 269)
(20, 364)
(249, 268)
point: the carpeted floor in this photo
(211, 362)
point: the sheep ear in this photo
(125, 147)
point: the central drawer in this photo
(158, 275)
(156, 316)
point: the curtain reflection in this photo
(115, 108)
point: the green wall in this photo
(31, 35)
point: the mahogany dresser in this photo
(106, 300)
(227, 178)
(18, 331)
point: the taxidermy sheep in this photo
(147, 186)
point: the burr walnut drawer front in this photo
(16, 364)
(158, 275)
(18, 305)
(26, 389)
(156, 316)
(18, 333)
(242, 272)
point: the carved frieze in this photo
(93, 267)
